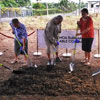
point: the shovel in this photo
(53, 54)
(10, 69)
(72, 64)
(96, 73)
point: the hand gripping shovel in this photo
(13, 71)
(72, 64)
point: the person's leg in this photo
(48, 55)
(89, 56)
(57, 55)
(16, 57)
(49, 52)
(89, 46)
(86, 55)
(16, 50)
(84, 49)
(25, 58)
(56, 51)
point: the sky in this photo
(56, 1)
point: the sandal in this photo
(87, 63)
(84, 61)
(14, 61)
(25, 63)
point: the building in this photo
(94, 6)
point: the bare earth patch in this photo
(38, 83)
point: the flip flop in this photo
(87, 63)
(1, 53)
(13, 62)
(25, 64)
(84, 61)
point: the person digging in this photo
(52, 30)
(19, 30)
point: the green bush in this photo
(44, 11)
(38, 6)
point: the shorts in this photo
(50, 47)
(17, 48)
(87, 44)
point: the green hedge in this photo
(44, 11)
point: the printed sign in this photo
(66, 39)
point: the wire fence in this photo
(15, 12)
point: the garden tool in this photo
(96, 73)
(13, 71)
(54, 50)
(72, 64)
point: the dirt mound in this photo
(57, 82)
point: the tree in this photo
(15, 3)
(9, 3)
(66, 5)
(39, 5)
(23, 2)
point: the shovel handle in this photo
(1, 65)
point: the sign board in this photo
(66, 39)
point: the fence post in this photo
(98, 55)
(37, 53)
(67, 54)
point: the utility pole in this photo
(79, 6)
(47, 8)
(31, 8)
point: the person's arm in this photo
(59, 28)
(78, 27)
(24, 40)
(86, 30)
(78, 24)
(89, 24)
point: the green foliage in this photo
(14, 3)
(67, 6)
(9, 3)
(22, 3)
(40, 12)
(39, 6)
(1, 4)
(83, 4)
(4, 9)
(64, 3)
